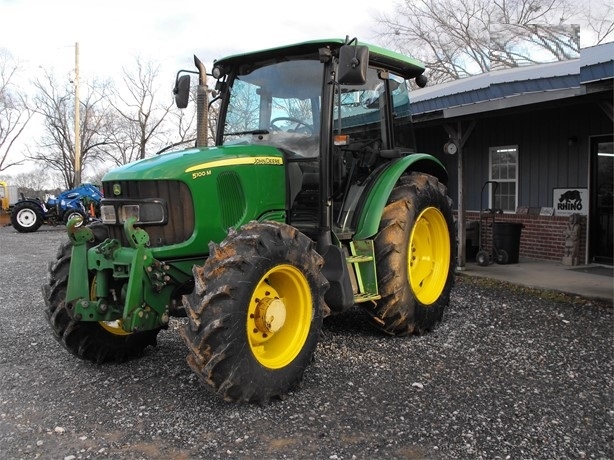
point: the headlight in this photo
(145, 212)
(127, 211)
(107, 214)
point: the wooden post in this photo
(462, 232)
(460, 139)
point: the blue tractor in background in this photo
(29, 214)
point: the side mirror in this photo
(353, 64)
(182, 91)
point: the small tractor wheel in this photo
(255, 315)
(27, 217)
(74, 213)
(482, 258)
(415, 253)
(98, 342)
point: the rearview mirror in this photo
(353, 64)
(182, 91)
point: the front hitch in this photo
(140, 304)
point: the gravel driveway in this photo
(509, 373)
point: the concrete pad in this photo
(591, 281)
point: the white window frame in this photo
(491, 198)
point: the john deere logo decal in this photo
(204, 169)
(117, 189)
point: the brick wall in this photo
(541, 237)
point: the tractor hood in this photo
(187, 165)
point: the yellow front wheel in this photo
(255, 315)
(279, 316)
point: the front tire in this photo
(255, 315)
(27, 217)
(98, 342)
(415, 253)
(75, 213)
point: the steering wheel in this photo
(298, 123)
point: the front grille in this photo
(180, 222)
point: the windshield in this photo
(277, 105)
(359, 109)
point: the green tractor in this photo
(311, 202)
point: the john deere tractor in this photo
(311, 202)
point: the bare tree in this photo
(513, 45)
(56, 149)
(37, 182)
(184, 123)
(597, 19)
(96, 177)
(459, 38)
(140, 125)
(14, 111)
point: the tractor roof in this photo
(405, 66)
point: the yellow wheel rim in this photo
(428, 260)
(114, 327)
(279, 316)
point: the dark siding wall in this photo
(553, 146)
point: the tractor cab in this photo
(337, 110)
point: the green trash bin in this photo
(506, 237)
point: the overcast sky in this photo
(112, 33)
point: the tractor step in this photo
(362, 258)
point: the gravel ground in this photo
(509, 373)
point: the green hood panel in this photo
(188, 165)
(229, 186)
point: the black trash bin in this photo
(506, 236)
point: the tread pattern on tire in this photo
(84, 339)
(398, 312)
(216, 335)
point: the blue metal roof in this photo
(517, 86)
(597, 63)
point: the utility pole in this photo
(77, 121)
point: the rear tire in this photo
(415, 253)
(27, 217)
(255, 315)
(98, 342)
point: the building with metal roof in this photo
(519, 140)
